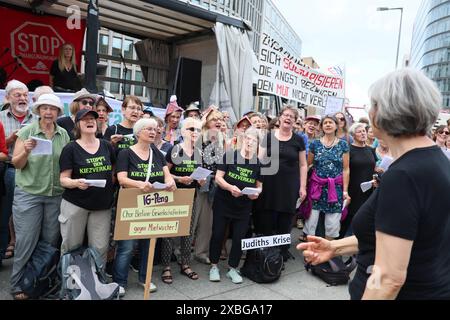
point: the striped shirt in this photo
(11, 124)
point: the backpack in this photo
(334, 272)
(40, 277)
(83, 277)
(263, 265)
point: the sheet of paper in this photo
(200, 173)
(366, 186)
(385, 163)
(344, 204)
(251, 191)
(100, 183)
(159, 186)
(43, 146)
(129, 136)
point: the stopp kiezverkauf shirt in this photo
(85, 165)
(241, 173)
(183, 165)
(127, 141)
(411, 203)
(136, 168)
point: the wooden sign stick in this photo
(148, 278)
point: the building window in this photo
(128, 86)
(115, 73)
(138, 90)
(116, 47)
(128, 49)
(103, 44)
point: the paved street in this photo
(295, 284)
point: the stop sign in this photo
(36, 44)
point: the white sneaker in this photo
(153, 287)
(234, 275)
(121, 291)
(214, 274)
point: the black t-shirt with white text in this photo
(84, 165)
(183, 165)
(128, 140)
(128, 161)
(241, 173)
(411, 203)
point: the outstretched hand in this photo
(317, 250)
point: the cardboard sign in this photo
(334, 105)
(158, 214)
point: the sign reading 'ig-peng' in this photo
(153, 215)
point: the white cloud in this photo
(352, 32)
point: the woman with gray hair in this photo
(362, 168)
(139, 166)
(402, 231)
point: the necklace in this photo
(330, 145)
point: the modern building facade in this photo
(278, 28)
(260, 15)
(430, 48)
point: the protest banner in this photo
(153, 215)
(114, 117)
(284, 75)
(31, 43)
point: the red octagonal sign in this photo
(36, 45)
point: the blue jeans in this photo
(7, 201)
(123, 257)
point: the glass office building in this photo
(430, 47)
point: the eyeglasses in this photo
(150, 129)
(340, 118)
(194, 129)
(138, 109)
(87, 102)
(444, 132)
(288, 116)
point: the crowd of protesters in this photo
(302, 167)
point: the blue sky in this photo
(354, 33)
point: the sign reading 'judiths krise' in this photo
(283, 75)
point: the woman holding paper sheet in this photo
(328, 184)
(182, 160)
(362, 168)
(121, 135)
(240, 169)
(139, 166)
(37, 196)
(402, 231)
(86, 208)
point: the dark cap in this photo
(149, 111)
(82, 113)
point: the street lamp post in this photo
(400, 30)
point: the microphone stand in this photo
(124, 79)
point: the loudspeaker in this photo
(188, 86)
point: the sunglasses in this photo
(87, 102)
(194, 129)
(340, 119)
(444, 132)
